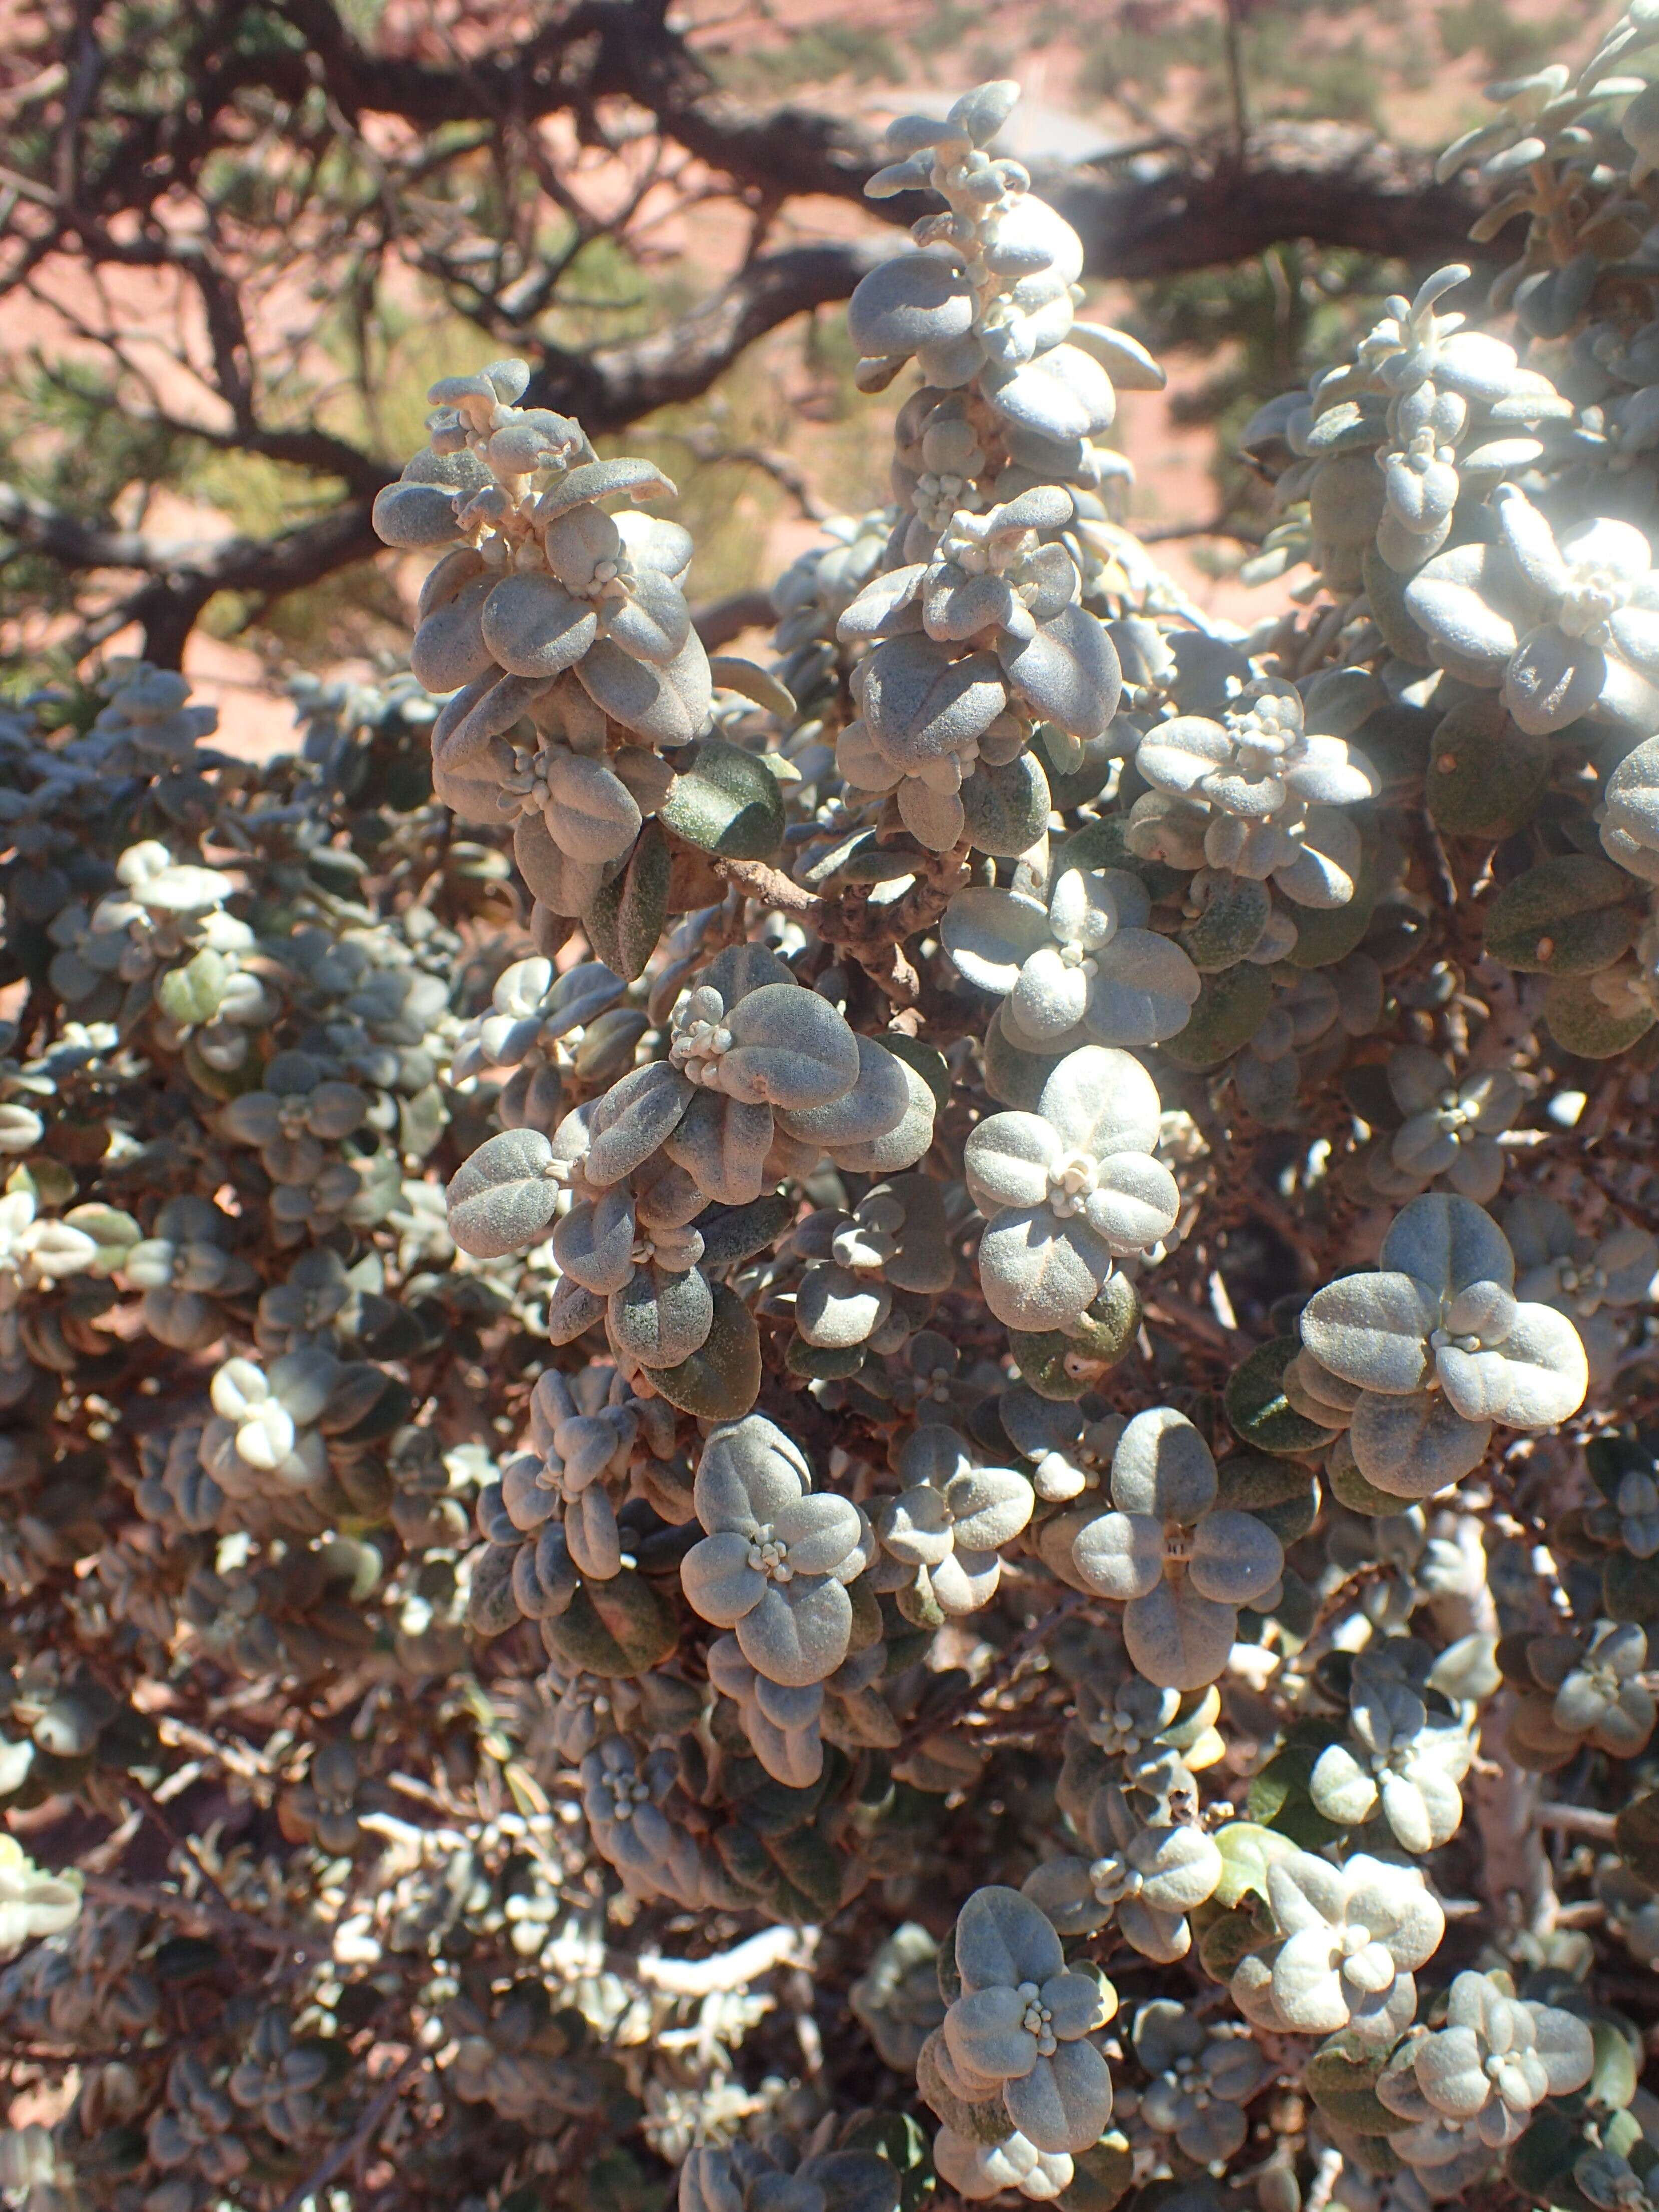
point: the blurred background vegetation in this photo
(117, 398)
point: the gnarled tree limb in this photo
(1152, 211)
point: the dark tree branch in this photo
(1154, 214)
(615, 385)
(74, 541)
(610, 389)
(1153, 210)
(1332, 184)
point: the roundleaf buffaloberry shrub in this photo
(873, 1427)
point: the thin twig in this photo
(204, 1917)
(705, 444)
(1577, 1820)
(1002, 1675)
(353, 2147)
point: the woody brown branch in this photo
(874, 934)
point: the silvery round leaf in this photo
(1236, 1557)
(790, 1048)
(1177, 1638)
(913, 299)
(594, 1243)
(1371, 1329)
(591, 1535)
(562, 883)
(963, 1583)
(1006, 1160)
(740, 969)
(413, 515)
(1006, 806)
(667, 706)
(1002, 1940)
(1472, 603)
(1414, 1445)
(1421, 499)
(635, 1116)
(837, 1307)
(1177, 756)
(1103, 1102)
(824, 1533)
(1120, 1555)
(750, 1471)
(1066, 2100)
(989, 1507)
(885, 606)
(987, 2037)
(502, 1200)
(1163, 1469)
(1042, 506)
(1325, 872)
(934, 1453)
(571, 1310)
(917, 1526)
(490, 710)
(1537, 1374)
(897, 1148)
(596, 479)
(1553, 679)
(1180, 1868)
(921, 702)
(1062, 394)
(1144, 988)
(720, 1584)
(590, 814)
(1484, 1309)
(1067, 673)
(1083, 907)
(578, 996)
(1125, 360)
(723, 1144)
(1631, 794)
(1630, 694)
(1061, 1888)
(980, 115)
(1050, 995)
(1423, 1807)
(1342, 1789)
(448, 649)
(653, 622)
(875, 1103)
(653, 543)
(1416, 1079)
(1446, 1244)
(935, 819)
(1332, 774)
(534, 627)
(1307, 1989)
(798, 1633)
(1134, 1204)
(1565, 2045)
(959, 606)
(1037, 1272)
(660, 1318)
(472, 792)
